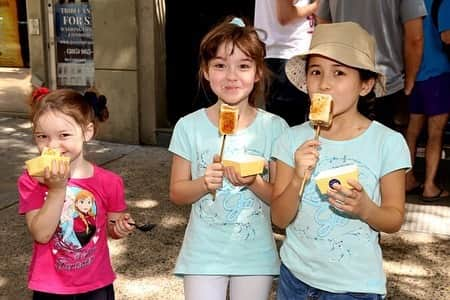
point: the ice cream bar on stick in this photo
(320, 114)
(228, 122)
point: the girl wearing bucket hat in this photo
(331, 248)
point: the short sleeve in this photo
(282, 149)
(412, 9)
(179, 143)
(444, 16)
(279, 125)
(116, 201)
(31, 193)
(323, 11)
(395, 154)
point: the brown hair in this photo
(247, 40)
(84, 109)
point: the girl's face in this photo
(84, 205)
(343, 83)
(231, 76)
(56, 130)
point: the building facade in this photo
(141, 54)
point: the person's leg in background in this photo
(204, 287)
(250, 287)
(284, 99)
(415, 125)
(433, 149)
(429, 101)
(401, 114)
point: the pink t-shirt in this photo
(71, 263)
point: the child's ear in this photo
(89, 132)
(367, 86)
(206, 75)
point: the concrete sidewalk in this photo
(416, 259)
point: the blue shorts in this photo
(431, 97)
(290, 288)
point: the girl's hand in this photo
(122, 226)
(237, 179)
(354, 201)
(306, 157)
(213, 175)
(57, 175)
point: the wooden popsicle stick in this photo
(308, 173)
(222, 147)
(317, 132)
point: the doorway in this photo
(183, 35)
(14, 49)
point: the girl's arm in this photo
(287, 12)
(42, 223)
(184, 190)
(386, 218)
(120, 227)
(285, 198)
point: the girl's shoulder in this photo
(382, 131)
(193, 116)
(106, 175)
(269, 117)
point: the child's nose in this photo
(231, 73)
(53, 144)
(324, 83)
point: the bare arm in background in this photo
(412, 51)
(287, 12)
(445, 36)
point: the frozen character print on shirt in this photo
(72, 248)
(84, 216)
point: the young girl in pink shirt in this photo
(67, 262)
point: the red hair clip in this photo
(39, 93)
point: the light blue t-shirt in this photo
(434, 61)
(325, 247)
(231, 235)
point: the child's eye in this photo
(40, 136)
(339, 73)
(219, 65)
(65, 135)
(245, 66)
(314, 72)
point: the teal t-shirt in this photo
(325, 247)
(231, 235)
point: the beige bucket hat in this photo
(347, 43)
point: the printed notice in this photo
(75, 46)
